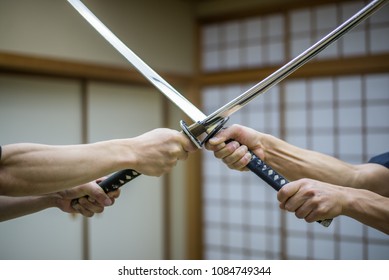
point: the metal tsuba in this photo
(194, 138)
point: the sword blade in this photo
(187, 107)
(201, 120)
(263, 86)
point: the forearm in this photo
(295, 163)
(29, 169)
(368, 208)
(14, 207)
(373, 177)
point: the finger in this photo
(113, 201)
(236, 155)
(303, 198)
(287, 191)
(209, 146)
(80, 209)
(242, 162)
(182, 156)
(96, 194)
(318, 213)
(76, 206)
(289, 197)
(218, 139)
(319, 209)
(291, 206)
(231, 132)
(187, 144)
(303, 211)
(98, 181)
(312, 217)
(86, 213)
(90, 206)
(228, 150)
(114, 194)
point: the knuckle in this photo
(298, 215)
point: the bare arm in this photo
(314, 200)
(373, 177)
(93, 201)
(30, 169)
(295, 163)
(13, 207)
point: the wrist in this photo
(351, 202)
(126, 154)
(51, 200)
(118, 154)
(272, 149)
(282, 156)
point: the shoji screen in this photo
(136, 220)
(343, 116)
(47, 111)
(241, 216)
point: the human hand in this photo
(157, 151)
(312, 200)
(91, 199)
(234, 153)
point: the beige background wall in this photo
(47, 110)
(160, 34)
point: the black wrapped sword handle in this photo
(256, 165)
(115, 181)
(118, 179)
(270, 176)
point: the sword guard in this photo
(199, 144)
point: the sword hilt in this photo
(274, 179)
(118, 179)
(256, 165)
(115, 181)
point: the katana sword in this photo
(293, 65)
(210, 125)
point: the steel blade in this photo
(263, 86)
(187, 107)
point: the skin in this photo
(321, 186)
(34, 169)
(92, 200)
(314, 200)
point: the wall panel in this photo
(44, 111)
(133, 228)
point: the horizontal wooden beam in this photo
(26, 64)
(317, 68)
(35, 65)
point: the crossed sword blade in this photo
(212, 123)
